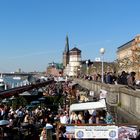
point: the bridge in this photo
(19, 74)
(122, 102)
(18, 90)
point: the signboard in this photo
(97, 59)
(100, 132)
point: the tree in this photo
(19, 101)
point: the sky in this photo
(33, 32)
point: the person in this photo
(26, 118)
(73, 118)
(90, 121)
(49, 129)
(109, 119)
(63, 118)
(131, 81)
(48, 124)
(80, 118)
(43, 134)
(109, 79)
(122, 79)
(114, 78)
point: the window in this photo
(138, 44)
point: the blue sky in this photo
(32, 32)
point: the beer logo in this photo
(112, 134)
(80, 134)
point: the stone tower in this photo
(74, 61)
(66, 53)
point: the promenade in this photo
(122, 101)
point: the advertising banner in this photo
(100, 132)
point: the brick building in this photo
(54, 69)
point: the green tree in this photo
(19, 101)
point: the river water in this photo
(11, 83)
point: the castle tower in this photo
(66, 53)
(74, 61)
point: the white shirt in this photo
(63, 119)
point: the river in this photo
(11, 82)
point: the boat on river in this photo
(17, 78)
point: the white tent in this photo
(101, 104)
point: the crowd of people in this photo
(36, 121)
(123, 78)
(84, 117)
(25, 123)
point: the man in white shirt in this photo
(63, 118)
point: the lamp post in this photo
(87, 66)
(102, 51)
(80, 70)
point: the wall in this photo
(124, 101)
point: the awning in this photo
(101, 104)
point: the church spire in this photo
(66, 52)
(67, 45)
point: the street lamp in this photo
(102, 51)
(80, 69)
(87, 66)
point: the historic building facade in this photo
(71, 60)
(128, 56)
(54, 69)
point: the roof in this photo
(126, 45)
(56, 65)
(67, 45)
(101, 104)
(75, 50)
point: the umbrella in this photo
(4, 122)
(12, 98)
(26, 93)
(5, 101)
(40, 90)
(35, 102)
(41, 99)
(28, 107)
